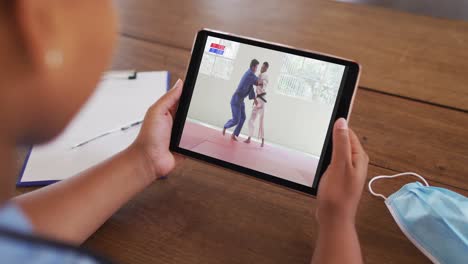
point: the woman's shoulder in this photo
(13, 218)
(18, 244)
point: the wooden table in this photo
(411, 113)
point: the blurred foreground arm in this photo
(338, 198)
(73, 209)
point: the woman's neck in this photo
(7, 167)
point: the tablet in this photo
(262, 109)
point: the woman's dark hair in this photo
(266, 64)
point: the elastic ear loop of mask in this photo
(369, 186)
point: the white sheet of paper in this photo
(115, 104)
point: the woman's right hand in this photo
(155, 134)
(341, 186)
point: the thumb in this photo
(171, 98)
(341, 143)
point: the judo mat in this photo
(275, 160)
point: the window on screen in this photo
(309, 79)
(218, 58)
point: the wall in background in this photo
(290, 122)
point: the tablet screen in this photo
(263, 109)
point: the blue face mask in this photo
(434, 219)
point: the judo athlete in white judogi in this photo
(258, 109)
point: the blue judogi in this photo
(244, 89)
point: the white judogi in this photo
(259, 109)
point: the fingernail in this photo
(178, 83)
(342, 123)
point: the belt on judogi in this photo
(261, 97)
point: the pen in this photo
(131, 125)
(107, 133)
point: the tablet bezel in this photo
(342, 107)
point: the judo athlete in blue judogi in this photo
(244, 89)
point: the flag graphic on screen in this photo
(217, 49)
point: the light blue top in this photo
(17, 251)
